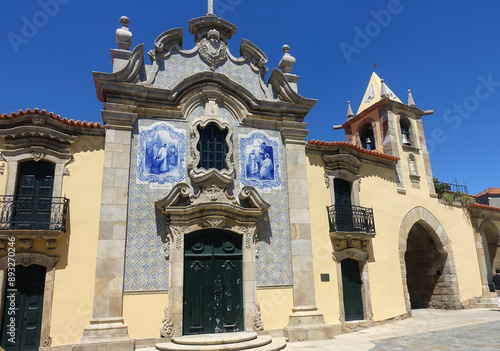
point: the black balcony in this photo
(22, 212)
(352, 219)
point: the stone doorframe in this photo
(28, 259)
(362, 257)
(186, 213)
(436, 231)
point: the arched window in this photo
(407, 136)
(367, 137)
(212, 147)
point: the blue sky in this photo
(446, 52)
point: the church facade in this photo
(199, 208)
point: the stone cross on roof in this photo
(211, 7)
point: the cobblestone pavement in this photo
(471, 329)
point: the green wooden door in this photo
(24, 304)
(34, 195)
(343, 206)
(213, 284)
(351, 284)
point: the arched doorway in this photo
(424, 268)
(490, 239)
(23, 306)
(213, 282)
(427, 263)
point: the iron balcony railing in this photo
(351, 219)
(24, 212)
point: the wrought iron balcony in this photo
(351, 219)
(23, 212)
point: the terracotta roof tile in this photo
(70, 122)
(344, 143)
(487, 207)
(491, 191)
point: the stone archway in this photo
(438, 269)
(490, 237)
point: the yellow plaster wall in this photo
(75, 272)
(143, 314)
(275, 306)
(379, 190)
(327, 294)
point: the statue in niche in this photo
(413, 164)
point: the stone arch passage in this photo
(490, 237)
(427, 263)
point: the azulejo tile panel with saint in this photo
(160, 156)
(260, 161)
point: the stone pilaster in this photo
(107, 330)
(390, 142)
(305, 323)
(427, 160)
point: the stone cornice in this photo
(343, 149)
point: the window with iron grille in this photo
(212, 147)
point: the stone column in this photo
(305, 323)
(107, 330)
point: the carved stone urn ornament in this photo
(213, 50)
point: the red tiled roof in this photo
(70, 122)
(344, 143)
(485, 207)
(491, 191)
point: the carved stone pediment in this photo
(342, 162)
(211, 207)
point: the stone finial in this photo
(384, 92)
(287, 62)
(123, 35)
(349, 110)
(411, 102)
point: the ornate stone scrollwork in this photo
(166, 247)
(38, 120)
(37, 156)
(25, 243)
(214, 223)
(364, 244)
(213, 50)
(25, 260)
(47, 342)
(66, 171)
(167, 325)
(2, 168)
(178, 233)
(258, 324)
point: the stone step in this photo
(259, 343)
(487, 302)
(214, 339)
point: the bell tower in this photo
(385, 125)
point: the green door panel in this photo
(351, 283)
(34, 195)
(213, 284)
(29, 285)
(343, 205)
